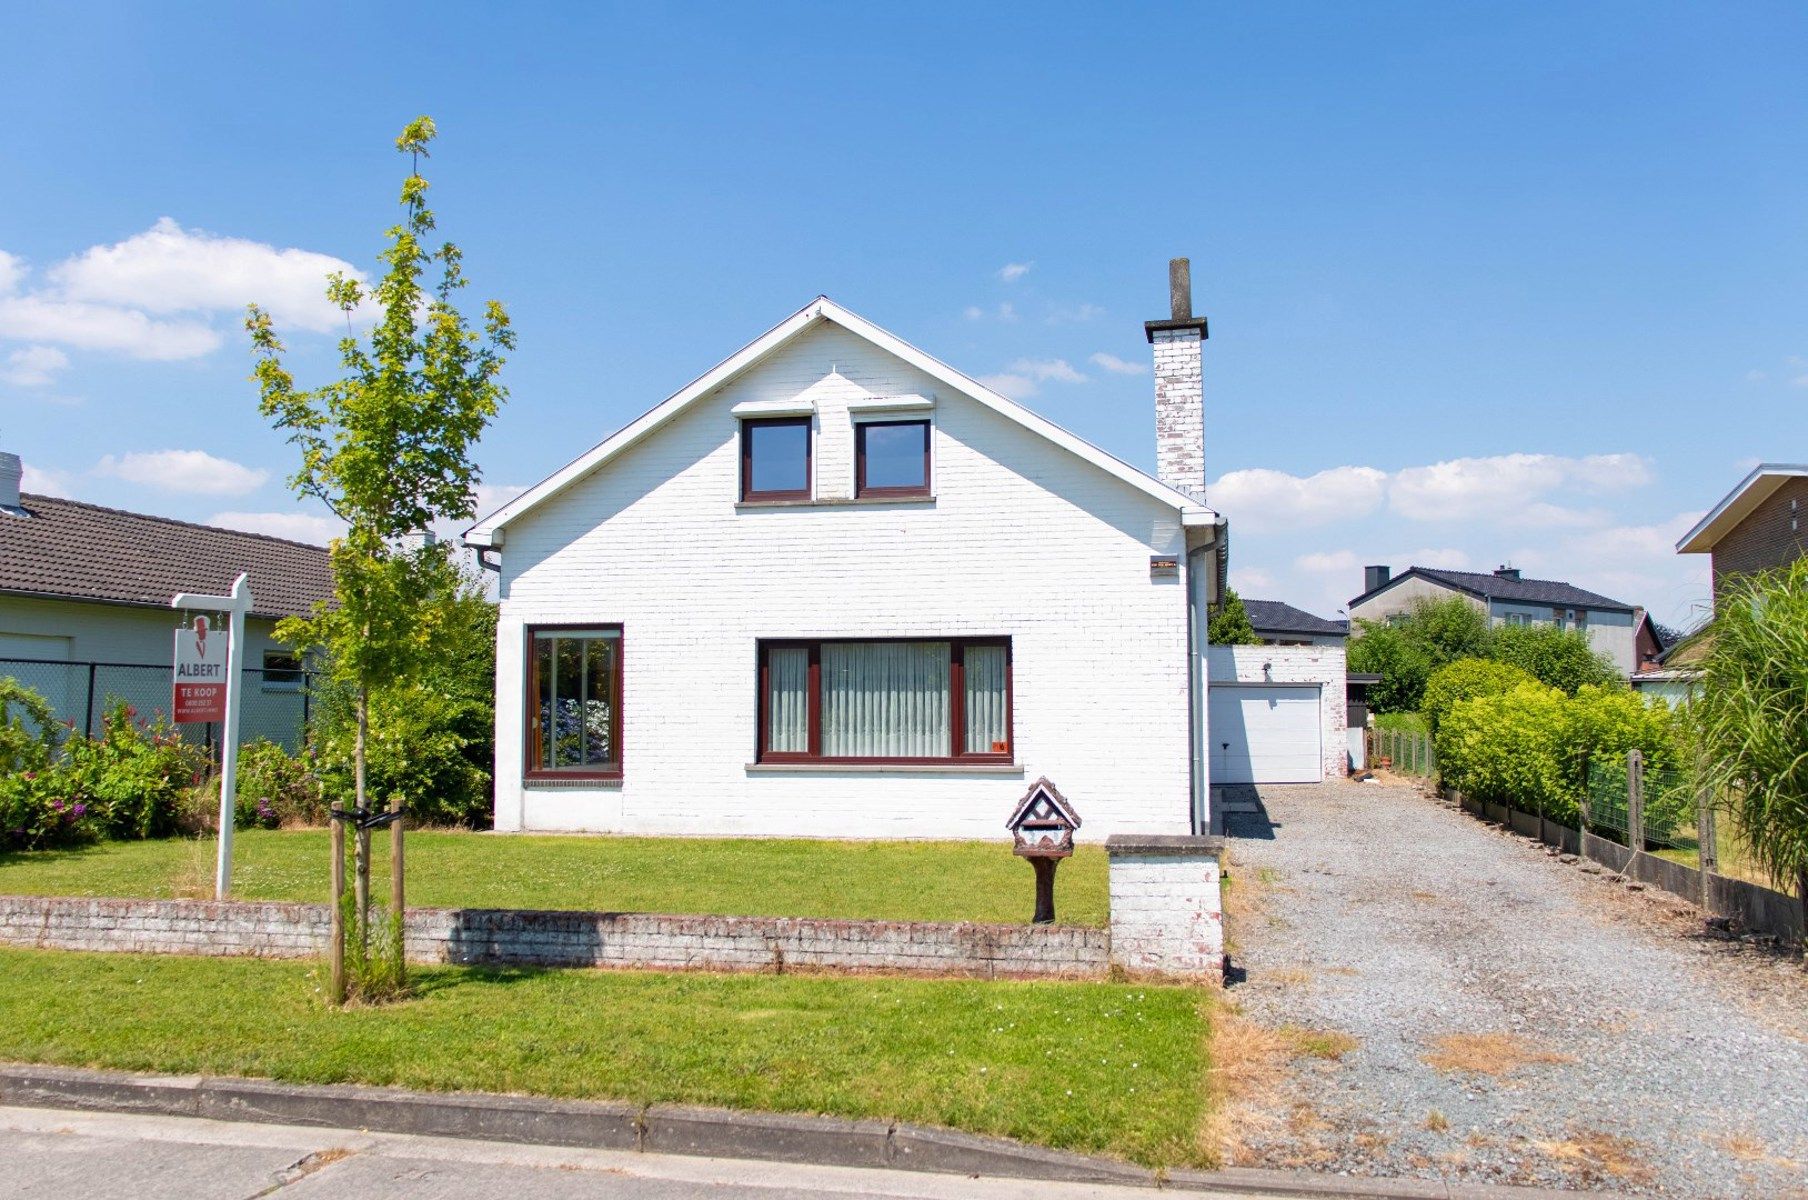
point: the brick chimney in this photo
(1179, 387)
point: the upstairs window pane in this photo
(775, 459)
(892, 458)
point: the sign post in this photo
(201, 695)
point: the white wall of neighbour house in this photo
(80, 632)
(1022, 539)
(1286, 638)
(1323, 665)
(1399, 598)
(1610, 633)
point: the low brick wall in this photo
(567, 939)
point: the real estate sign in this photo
(200, 679)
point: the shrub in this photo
(1530, 747)
(34, 814)
(1511, 748)
(1405, 649)
(1466, 679)
(1561, 658)
(425, 749)
(133, 777)
(1229, 623)
(276, 788)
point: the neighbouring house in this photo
(1760, 524)
(84, 604)
(1507, 599)
(835, 587)
(1279, 624)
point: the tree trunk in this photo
(396, 907)
(362, 878)
(336, 951)
(1801, 892)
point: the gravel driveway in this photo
(1458, 1003)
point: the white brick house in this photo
(835, 587)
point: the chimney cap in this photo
(1180, 302)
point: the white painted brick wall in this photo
(1323, 665)
(1023, 540)
(1167, 914)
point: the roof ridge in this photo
(126, 512)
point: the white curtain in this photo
(788, 700)
(885, 700)
(985, 700)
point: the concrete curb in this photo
(663, 1129)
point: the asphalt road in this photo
(57, 1155)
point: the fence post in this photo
(1635, 800)
(1708, 851)
(88, 710)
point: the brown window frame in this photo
(808, 490)
(530, 709)
(861, 490)
(957, 697)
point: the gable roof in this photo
(1739, 503)
(68, 550)
(1273, 616)
(1488, 586)
(487, 531)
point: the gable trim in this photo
(489, 530)
(1739, 504)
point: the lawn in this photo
(1094, 1067)
(779, 877)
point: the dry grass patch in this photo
(1331, 1044)
(1494, 1054)
(1249, 1066)
(1594, 1156)
(1746, 1148)
(1288, 976)
(1436, 1121)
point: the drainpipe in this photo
(1206, 571)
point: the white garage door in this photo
(1264, 733)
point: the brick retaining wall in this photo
(566, 939)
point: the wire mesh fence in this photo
(1403, 751)
(1668, 817)
(274, 704)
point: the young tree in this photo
(1229, 624)
(1749, 715)
(1562, 658)
(387, 449)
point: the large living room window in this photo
(898, 700)
(775, 459)
(574, 689)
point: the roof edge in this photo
(1733, 507)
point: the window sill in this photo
(563, 782)
(846, 502)
(859, 768)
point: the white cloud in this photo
(1017, 387)
(33, 366)
(45, 481)
(38, 318)
(169, 269)
(315, 529)
(1798, 372)
(1328, 562)
(1756, 376)
(974, 312)
(1118, 366)
(1262, 499)
(1466, 488)
(193, 471)
(1012, 272)
(1043, 370)
(1007, 311)
(12, 272)
(1252, 582)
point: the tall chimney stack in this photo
(1179, 387)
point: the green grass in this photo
(1094, 1067)
(893, 880)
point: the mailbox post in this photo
(1042, 828)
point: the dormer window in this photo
(775, 459)
(891, 458)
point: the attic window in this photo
(775, 459)
(891, 458)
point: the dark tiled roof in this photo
(1495, 587)
(1272, 616)
(82, 551)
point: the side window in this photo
(282, 672)
(775, 459)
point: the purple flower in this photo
(79, 809)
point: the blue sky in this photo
(1486, 283)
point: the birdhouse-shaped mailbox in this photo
(1044, 823)
(1043, 827)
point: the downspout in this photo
(1201, 572)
